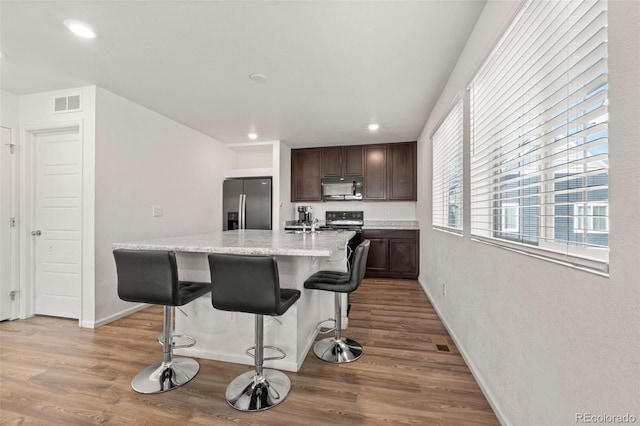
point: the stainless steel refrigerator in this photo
(246, 203)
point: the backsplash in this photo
(372, 210)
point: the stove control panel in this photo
(344, 216)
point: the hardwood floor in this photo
(53, 372)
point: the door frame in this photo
(27, 209)
(13, 232)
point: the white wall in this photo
(9, 109)
(144, 159)
(9, 118)
(546, 341)
(285, 207)
(378, 210)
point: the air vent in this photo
(67, 104)
(61, 104)
(443, 344)
(443, 348)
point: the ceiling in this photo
(331, 67)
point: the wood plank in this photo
(52, 372)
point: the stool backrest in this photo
(245, 283)
(147, 276)
(359, 265)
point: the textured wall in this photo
(544, 340)
(144, 159)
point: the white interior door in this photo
(57, 223)
(5, 224)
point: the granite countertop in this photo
(249, 241)
(391, 224)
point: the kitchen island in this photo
(225, 336)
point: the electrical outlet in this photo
(444, 289)
(157, 211)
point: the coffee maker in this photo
(305, 214)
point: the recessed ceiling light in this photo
(79, 28)
(258, 78)
(374, 126)
(252, 136)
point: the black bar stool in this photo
(146, 276)
(251, 284)
(339, 349)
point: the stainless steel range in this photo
(352, 220)
(334, 221)
(346, 220)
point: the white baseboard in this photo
(467, 359)
(113, 317)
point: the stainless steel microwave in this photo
(348, 188)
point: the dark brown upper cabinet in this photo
(375, 172)
(340, 161)
(402, 177)
(389, 170)
(306, 174)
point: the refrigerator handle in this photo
(244, 211)
(243, 207)
(240, 211)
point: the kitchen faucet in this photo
(314, 224)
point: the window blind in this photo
(539, 134)
(447, 170)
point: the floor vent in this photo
(443, 344)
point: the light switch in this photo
(157, 211)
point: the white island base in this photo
(225, 336)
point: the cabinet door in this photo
(375, 172)
(393, 253)
(403, 256)
(378, 258)
(332, 161)
(402, 162)
(306, 174)
(352, 160)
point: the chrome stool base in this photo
(253, 392)
(338, 351)
(162, 377)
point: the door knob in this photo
(36, 233)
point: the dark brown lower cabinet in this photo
(393, 253)
(378, 259)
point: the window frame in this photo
(450, 168)
(496, 185)
(588, 217)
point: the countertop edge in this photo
(258, 243)
(228, 250)
(409, 225)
